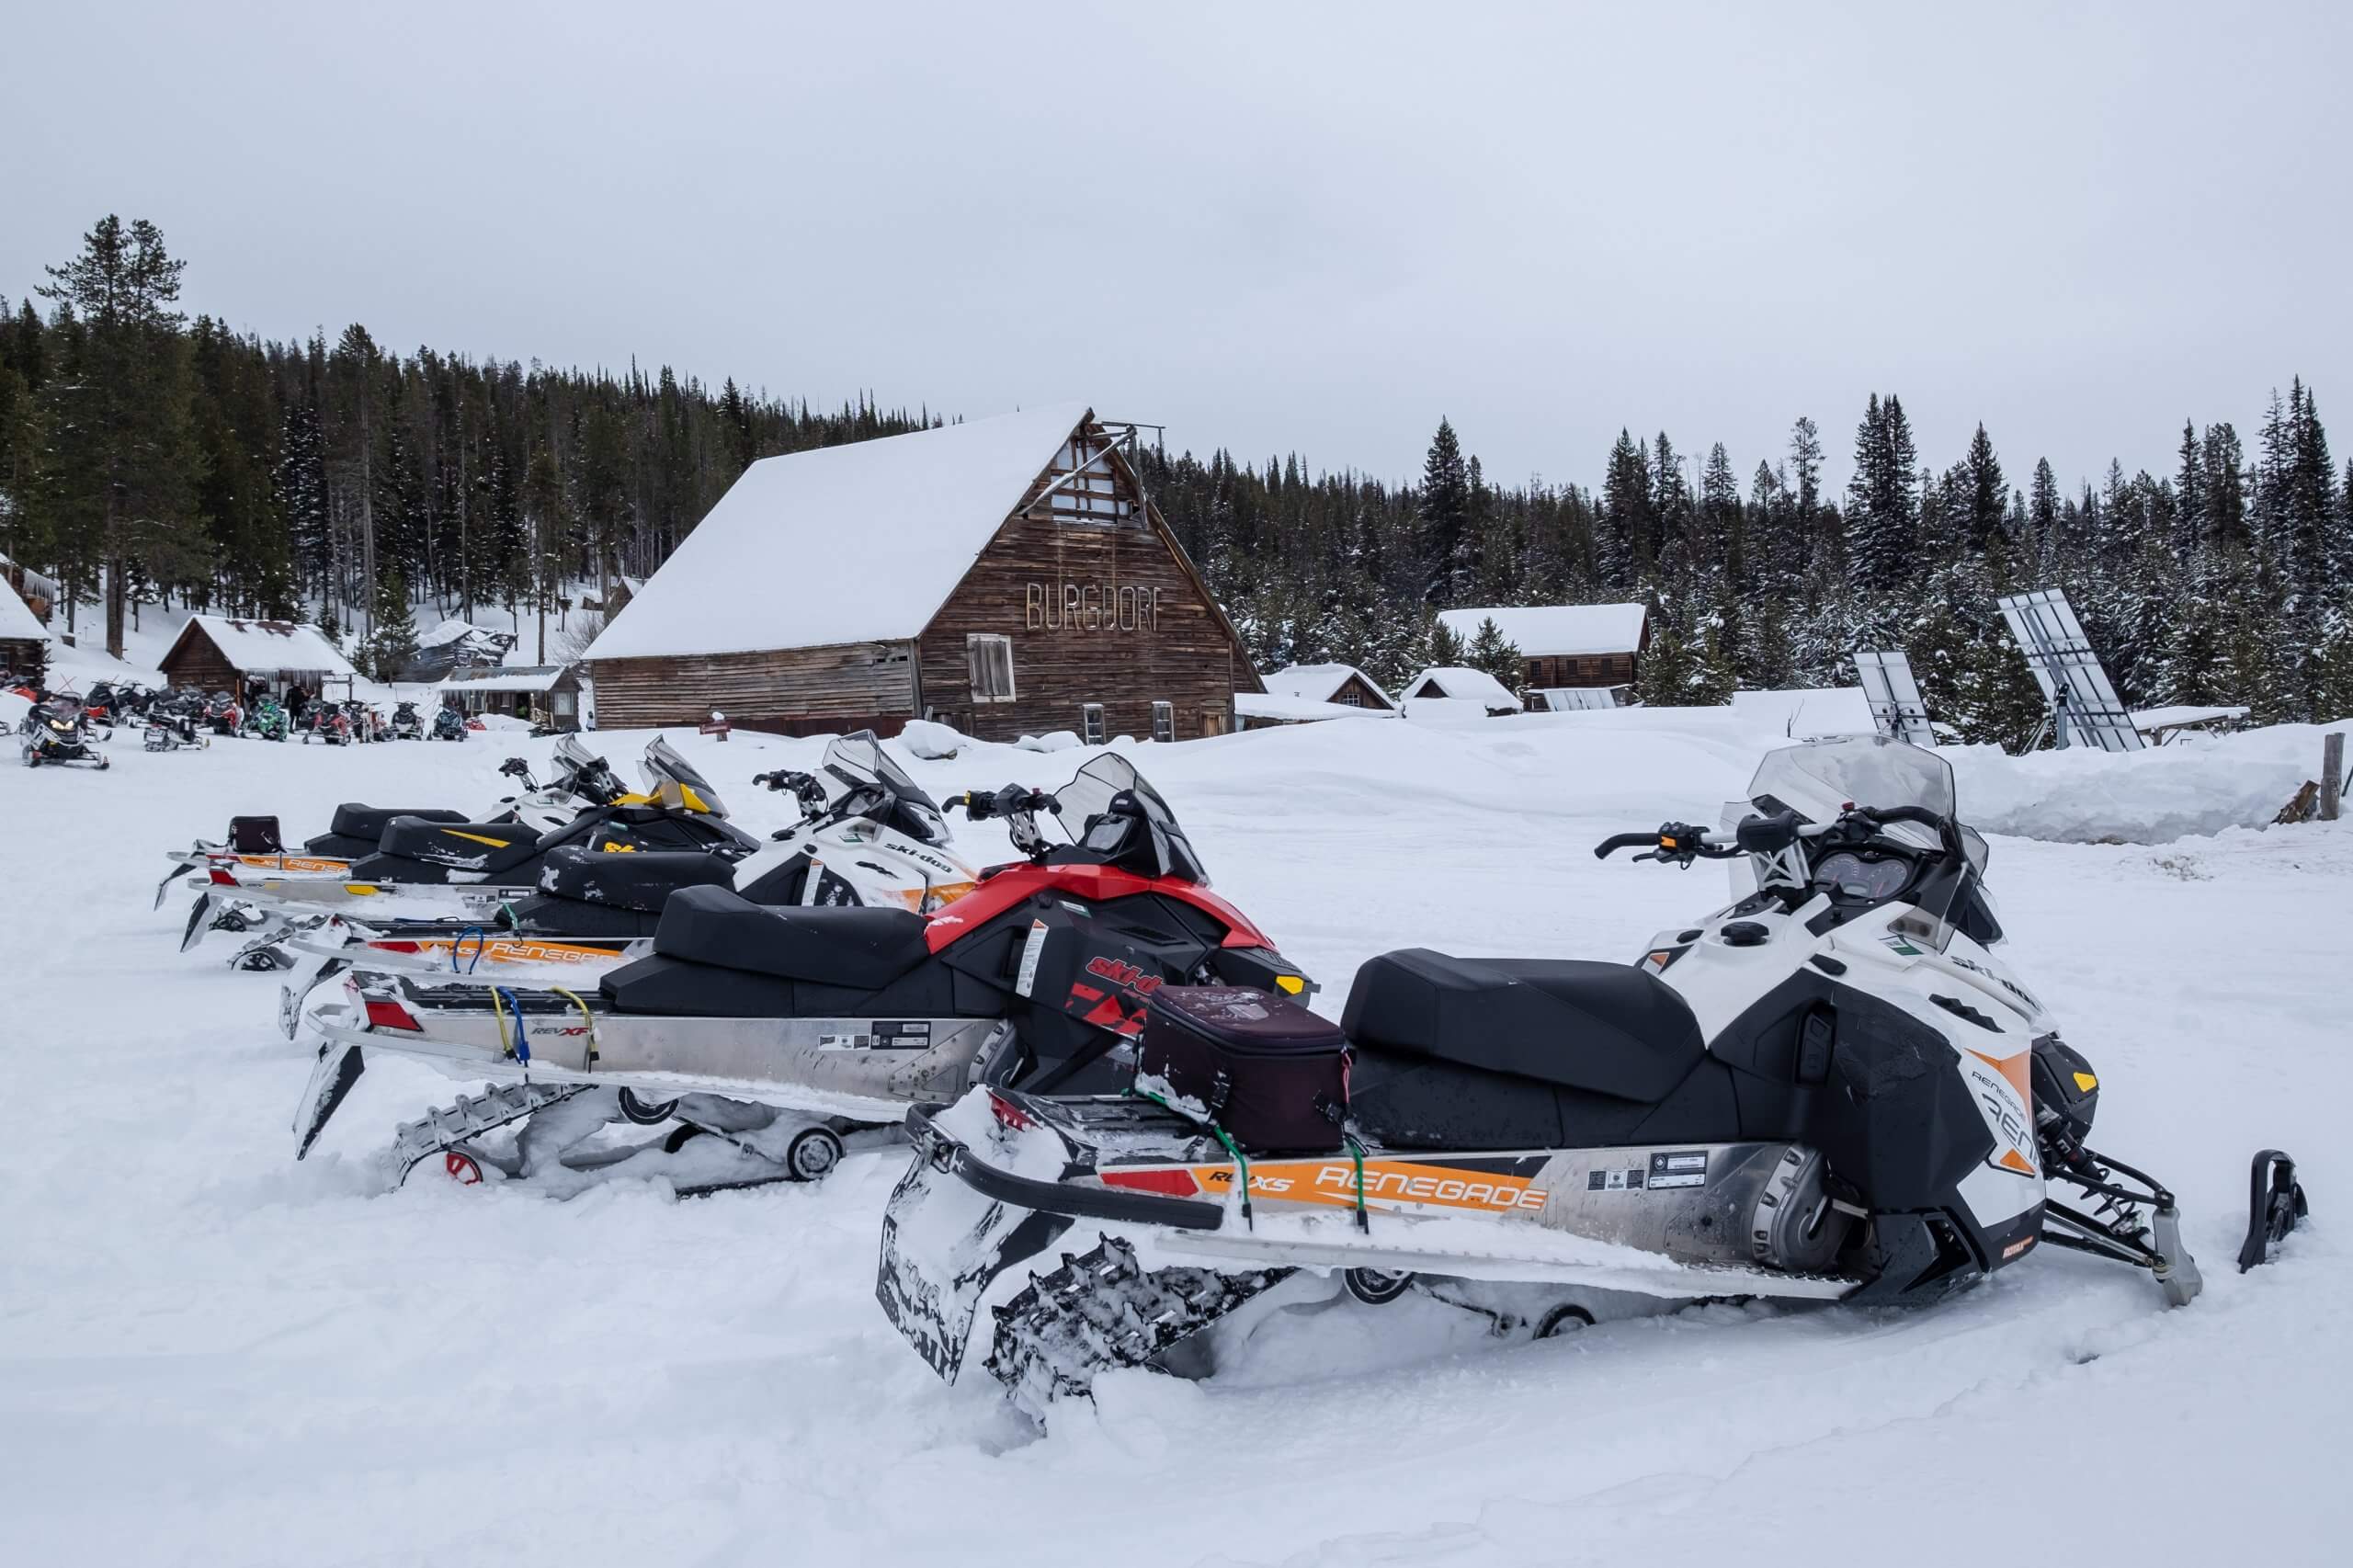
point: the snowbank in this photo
(1058, 740)
(2198, 784)
(1827, 711)
(932, 742)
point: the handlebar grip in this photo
(1617, 841)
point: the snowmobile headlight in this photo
(61, 726)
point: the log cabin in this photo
(1007, 577)
(1564, 646)
(218, 652)
(24, 640)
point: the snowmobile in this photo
(255, 844)
(776, 1038)
(882, 842)
(266, 720)
(326, 722)
(1830, 1090)
(172, 726)
(406, 725)
(223, 715)
(56, 733)
(448, 724)
(423, 868)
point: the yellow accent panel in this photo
(476, 838)
(2086, 1081)
(693, 800)
(615, 846)
(1291, 984)
(359, 887)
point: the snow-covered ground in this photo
(212, 1353)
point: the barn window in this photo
(1164, 720)
(1090, 721)
(990, 657)
(1349, 698)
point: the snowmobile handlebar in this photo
(1013, 801)
(1672, 841)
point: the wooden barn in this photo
(216, 652)
(1007, 577)
(548, 695)
(1564, 646)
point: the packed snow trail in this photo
(212, 1353)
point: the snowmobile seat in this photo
(1606, 1029)
(541, 914)
(861, 948)
(641, 881)
(471, 846)
(353, 820)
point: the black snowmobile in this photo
(1830, 1090)
(406, 725)
(796, 1030)
(448, 724)
(57, 733)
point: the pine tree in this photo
(1882, 501)
(1490, 650)
(391, 647)
(1623, 534)
(1444, 516)
(116, 476)
(1985, 493)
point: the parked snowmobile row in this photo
(794, 1031)
(1133, 1143)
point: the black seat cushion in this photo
(640, 881)
(464, 845)
(1604, 1027)
(859, 948)
(353, 820)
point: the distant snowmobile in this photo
(1831, 1090)
(57, 734)
(448, 724)
(406, 725)
(776, 1038)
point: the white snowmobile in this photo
(878, 842)
(1830, 1090)
(778, 1037)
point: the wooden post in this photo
(2331, 774)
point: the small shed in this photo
(1564, 645)
(216, 653)
(548, 695)
(1453, 683)
(24, 640)
(1343, 684)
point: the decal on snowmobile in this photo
(1680, 1168)
(1463, 1183)
(2004, 1095)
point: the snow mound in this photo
(932, 742)
(2199, 785)
(1059, 740)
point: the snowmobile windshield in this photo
(1142, 835)
(664, 766)
(881, 790)
(1819, 782)
(584, 775)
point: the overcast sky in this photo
(1272, 228)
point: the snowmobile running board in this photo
(1295, 1240)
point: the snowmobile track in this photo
(1104, 1311)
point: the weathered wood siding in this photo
(1596, 669)
(1366, 697)
(1097, 613)
(197, 661)
(849, 686)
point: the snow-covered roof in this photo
(843, 544)
(1287, 708)
(1319, 682)
(511, 677)
(1545, 631)
(1807, 710)
(40, 584)
(1453, 680)
(266, 644)
(2147, 719)
(18, 621)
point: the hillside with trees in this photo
(146, 456)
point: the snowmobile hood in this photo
(1015, 883)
